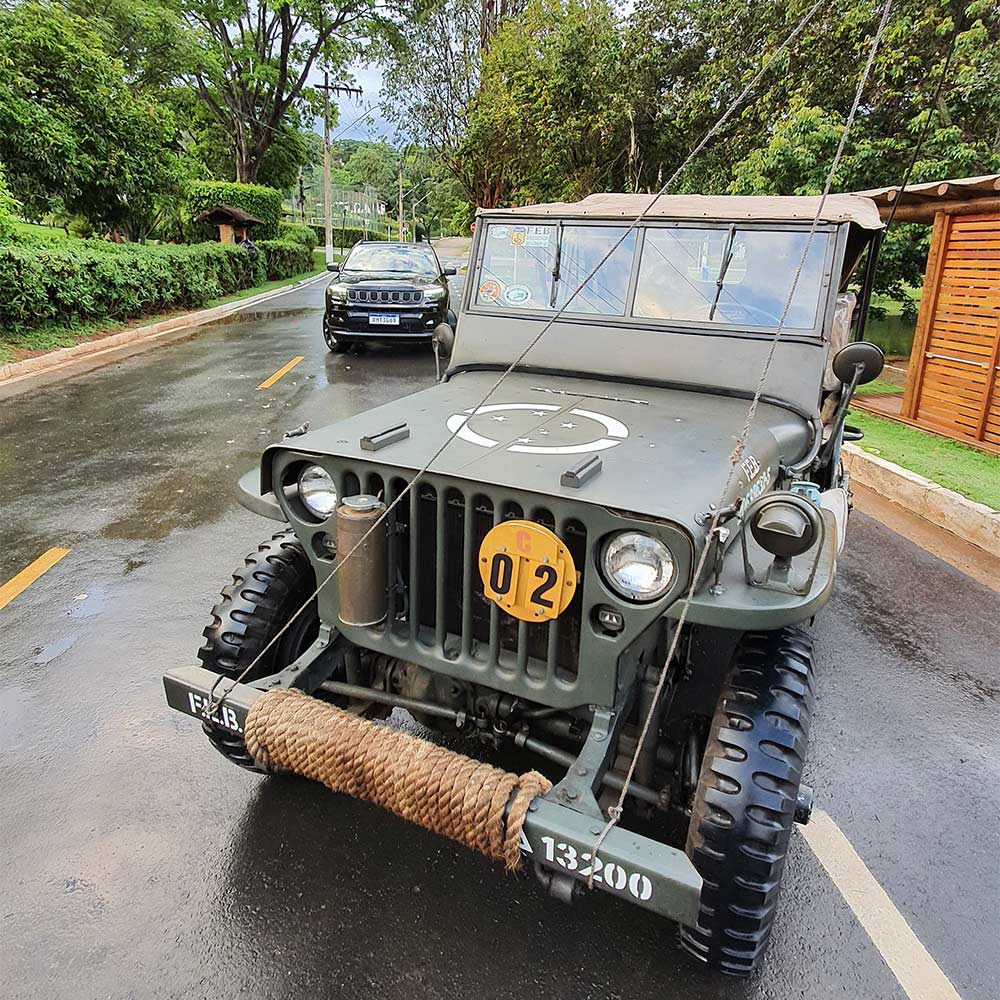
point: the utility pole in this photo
(399, 215)
(327, 191)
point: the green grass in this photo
(893, 333)
(973, 473)
(47, 234)
(879, 387)
(49, 337)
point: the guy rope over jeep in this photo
(577, 554)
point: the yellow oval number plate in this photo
(527, 570)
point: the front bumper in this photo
(555, 837)
(352, 322)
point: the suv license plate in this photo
(383, 319)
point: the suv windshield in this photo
(391, 259)
(709, 276)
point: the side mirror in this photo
(449, 271)
(443, 340)
(333, 266)
(863, 358)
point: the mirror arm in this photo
(840, 416)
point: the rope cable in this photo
(215, 703)
(615, 812)
(959, 24)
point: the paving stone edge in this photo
(64, 356)
(974, 522)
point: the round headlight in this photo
(638, 566)
(317, 492)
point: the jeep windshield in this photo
(709, 276)
(391, 259)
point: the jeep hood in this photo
(665, 453)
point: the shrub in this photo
(344, 237)
(285, 259)
(296, 232)
(85, 280)
(9, 207)
(262, 202)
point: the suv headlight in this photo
(638, 566)
(433, 294)
(317, 492)
(336, 293)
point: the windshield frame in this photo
(836, 237)
(427, 252)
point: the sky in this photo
(369, 79)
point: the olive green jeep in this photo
(524, 585)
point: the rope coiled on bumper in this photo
(442, 791)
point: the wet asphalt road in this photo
(138, 863)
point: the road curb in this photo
(63, 356)
(974, 522)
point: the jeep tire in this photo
(271, 585)
(745, 802)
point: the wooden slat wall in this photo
(954, 375)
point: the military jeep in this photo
(525, 587)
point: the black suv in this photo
(389, 292)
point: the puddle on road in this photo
(44, 655)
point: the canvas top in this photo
(758, 208)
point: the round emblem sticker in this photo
(489, 291)
(516, 295)
(499, 232)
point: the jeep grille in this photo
(394, 296)
(437, 606)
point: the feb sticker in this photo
(517, 236)
(516, 295)
(489, 291)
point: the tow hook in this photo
(559, 886)
(804, 805)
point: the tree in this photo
(433, 83)
(147, 37)
(71, 130)
(259, 59)
(549, 122)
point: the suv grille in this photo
(388, 296)
(438, 603)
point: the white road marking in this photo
(919, 975)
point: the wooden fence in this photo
(952, 385)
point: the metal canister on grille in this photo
(363, 576)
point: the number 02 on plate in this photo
(527, 570)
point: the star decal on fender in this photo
(608, 431)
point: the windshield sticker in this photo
(538, 428)
(499, 232)
(516, 295)
(538, 236)
(489, 291)
(517, 236)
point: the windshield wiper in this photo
(727, 259)
(556, 266)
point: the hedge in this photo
(262, 202)
(285, 259)
(344, 237)
(78, 281)
(296, 232)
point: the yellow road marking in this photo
(919, 975)
(30, 574)
(284, 370)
